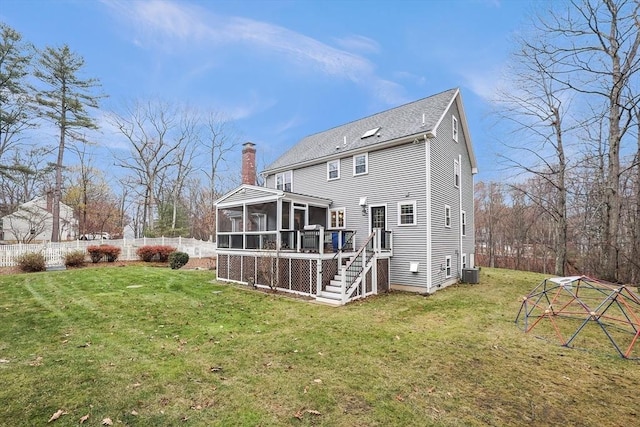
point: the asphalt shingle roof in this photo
(395, 123)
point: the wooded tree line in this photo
(164, 183)
(572, 115)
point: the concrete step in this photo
(328, 301)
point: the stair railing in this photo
(357, 267)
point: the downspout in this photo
(427, 147)
(460, 215)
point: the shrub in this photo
(155, 253)
(178, 260)
(75, 259)
(146, 253)
(95, 253)
(108, 252)
(111, 253)
(31, 262)
(164, 252)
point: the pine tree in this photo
(64, 101)
(15, 100)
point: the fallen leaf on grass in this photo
(83, 419)
(134, 413)
(57, 415)
(318, 381)
(4, 361)
(107, 422)
(399, 398)
(36, 362)
(216, 369)
(300, 414)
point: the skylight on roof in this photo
(369, 133)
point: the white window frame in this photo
(456, 174)
(337, 170)
(463, 221)
(411, 203)
(447, 267)
(366, 164)
(464, 260)
(454, 128)
(447, 216)
(283, 176)
(337, 211)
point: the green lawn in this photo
(153, 346)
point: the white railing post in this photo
(318, 277)
(343, 285)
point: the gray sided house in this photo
(384, 202)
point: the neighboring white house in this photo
(33, 221)
(382, 202)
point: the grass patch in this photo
(147, 346)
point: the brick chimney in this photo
(249, 163)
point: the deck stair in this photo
(351, 276)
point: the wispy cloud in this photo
(359, 44)
(172, 25)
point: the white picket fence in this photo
(54, 252)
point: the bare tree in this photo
(533, 106)
(220, 140)
(593, 46)
(30, 176)
(147, 128)
(26, 223)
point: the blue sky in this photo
(286, 69)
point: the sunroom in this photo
(296, 243)
(253, 218)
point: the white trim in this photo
(386, 216)
(448, 268)
(329, 162)
(463, 223)
(368, 148)
(284, 174)
(366, 163)
(344, 219)
(455, 129)
(457, 174)
(447, 215)
(414, 214)
(427, 168)
(461, 248)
